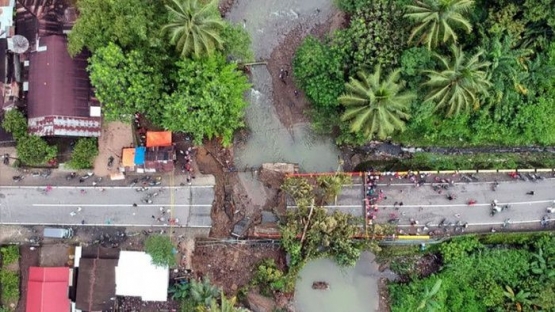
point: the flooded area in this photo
(268, 21)
(350, 289)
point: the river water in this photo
(351, 289)
(268, 21)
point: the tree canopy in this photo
(135, 69)
(208, 100)
(376, 106)
(129, 24)
(457, 86)
(195, 27)
(127, 82)
(15, 123)
(437, 20)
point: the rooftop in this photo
(59, 97)
(136, 276)
(48, 289)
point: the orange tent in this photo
(128, 157)
(158, 138)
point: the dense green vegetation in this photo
(481, 72)
(202, 296)
(431, 161)
(516, 276)
(10, 254)
(161, 249)
(310, 232)
(168, 62)
(9, 277)
(31, 149)
(84, 153)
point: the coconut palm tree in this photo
(457, 86)
(436, 20)
(375, 106)
(195, 27)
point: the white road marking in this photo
(551, 201)
(98, 187)
(101, 224)
(473, 224)
(116, 205)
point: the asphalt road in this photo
(191, 205)
(428, 206)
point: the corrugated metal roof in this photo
(65, 126)
(47, 289)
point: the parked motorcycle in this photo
(110, 162)
(71, 176)
(6, 159)
(17, 178)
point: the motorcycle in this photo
(110, 162)
(17, 178)
(6, 159)
(71, 176)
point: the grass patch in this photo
(10, 254)
(9, 281)
(392, 252)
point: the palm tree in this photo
(427, 303)
(195, 27)
(375, 106)
(508, 67)
(518, 299)
(457, 86)
(436, 20)
(203, 292)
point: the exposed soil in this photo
(225, 6)
(292, 108)
(209, 162)
(231, 266)
(28, 258)
(115, 136)
(385, 301)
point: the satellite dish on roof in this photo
(19, 44)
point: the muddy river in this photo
(268, 21)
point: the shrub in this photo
(10, 285)
(15, 123)
(160, 248)
(84, 154)
(10, 254)
(459, 248)
(269, 278)
(33, 150)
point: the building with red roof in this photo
(47, 290)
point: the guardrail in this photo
(392, 173)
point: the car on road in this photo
(58, 233)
